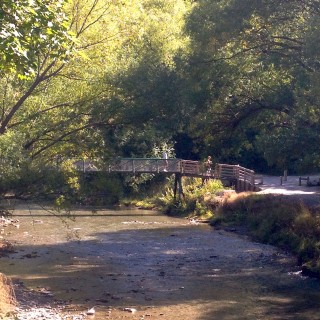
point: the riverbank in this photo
(158, 266)
(288, 221)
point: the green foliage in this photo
(199, 199)
(11, 151)
(57, 104)
(29, 29)
(107, 91)
(254, 73)
(134, 76)
(38, 181)
(61, 184)
(99, 188)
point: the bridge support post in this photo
(178, 185)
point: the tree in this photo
(255, 71)
(68, 102)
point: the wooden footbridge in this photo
(242, 179)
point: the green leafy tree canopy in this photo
(28, 29)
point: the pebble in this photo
(132, 310)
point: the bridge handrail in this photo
(237, 172)
(145, 165)
(172, 165)
(190, 167)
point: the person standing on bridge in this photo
(208, 165)
(165, 156)
(208, 169)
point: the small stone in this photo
(132, 310)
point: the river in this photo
(139, 264)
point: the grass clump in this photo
(278, 221)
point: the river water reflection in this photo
(165, 268)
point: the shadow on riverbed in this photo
(167, 266)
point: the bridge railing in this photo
(189, 167)
(150, 165)
(227, 171)
(157, 165)
(86, 165)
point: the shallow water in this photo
(165, 268)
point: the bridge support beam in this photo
(178, 185)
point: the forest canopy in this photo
(237, 79)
